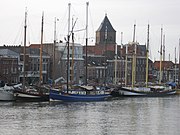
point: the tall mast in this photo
(160, 66)
(72, 48)
(135, 54)
(72, 59)
(179, 64)
(163, 57)
(87, 4)
(24, 51)
(105, 65)
(68, 38)
(164, 47)
(175, 67)
(147, 57)
(54, 46)
(115, 66)
(121, 57)
(126, 65)
(134, 58)
(41, 48)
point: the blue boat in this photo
(83, 93)
(80, 93)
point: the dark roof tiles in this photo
(106, 23)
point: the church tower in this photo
(105, 33)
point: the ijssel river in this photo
(121, 116)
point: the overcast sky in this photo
(121, 13)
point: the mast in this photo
(160, 67)
(164, 47)
(115, 66)
(87, 4)
(147, 57)
(54, 46)
(106, 36)
(126, 66)
(134, 58)
(163, 59)
(121, 58)
(72, 60)
(24, 51)
(179, 64)
(134, 34)
(68, 37)
(41, 48)
(72, 47)
(175, 67)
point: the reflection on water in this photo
(126, 116)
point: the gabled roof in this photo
(8, 52)
(35, 51)
(165, 64)
(105, 23)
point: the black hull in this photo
(27, 99)
(122, 92)
(30, 97)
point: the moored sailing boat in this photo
(153, 91)
(149, 91)
(79, 93)
(31, 94)
(6, 92)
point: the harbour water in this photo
(122, 116)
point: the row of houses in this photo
(12, 65)
(100, 61)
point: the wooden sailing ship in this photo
(37, 93)
(78, 93)
(148, 91)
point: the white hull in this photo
(6, 95)
(22, 95)
(131, 91)
(128, 93)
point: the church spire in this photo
(105, 29)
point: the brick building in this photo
(32, 62)
(169, 70)
(9, 72)
(105, 46)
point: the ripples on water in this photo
(125, 116)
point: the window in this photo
(34, 67)
(13, 69)
(44, 67)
